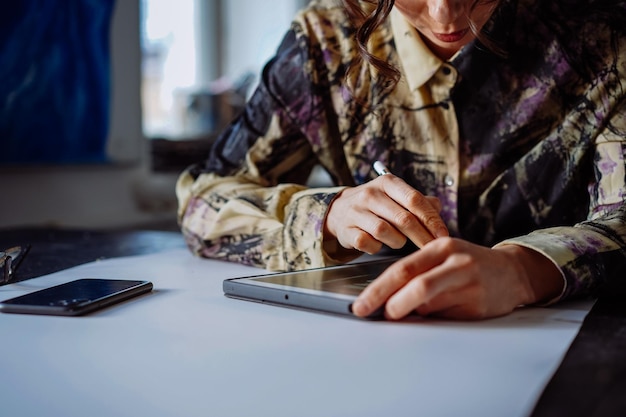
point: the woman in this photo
(503, 124)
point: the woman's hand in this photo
(384, 211)
(457, 279)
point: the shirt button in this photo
(448, 180)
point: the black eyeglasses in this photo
(10, 260)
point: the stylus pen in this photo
(380, 168)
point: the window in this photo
(196, 50)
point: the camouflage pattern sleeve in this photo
(249, 202)
(592, 253)
(278, 228)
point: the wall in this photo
(264, 26)
(127, 193)
(98, 196)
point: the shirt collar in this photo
(418, 62)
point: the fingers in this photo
(447, 278)
(356, 238)
(431, 292)
(394, 278)
(435, 203)
(371, 229)
(421, 223)
(384, 211)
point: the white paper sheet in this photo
(186, 350)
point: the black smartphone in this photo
(77, 297)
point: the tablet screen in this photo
(349, 280)
(330, 289)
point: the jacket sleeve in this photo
(249, 202)
(592, 254)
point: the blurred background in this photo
(103, 103)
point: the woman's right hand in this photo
(386, 211)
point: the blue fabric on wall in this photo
(54, 81)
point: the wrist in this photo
(328, 229)
(541, 280)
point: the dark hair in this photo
(368, 15)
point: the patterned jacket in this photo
(526, 146)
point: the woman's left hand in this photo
(453, 278)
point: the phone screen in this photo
(76, 297)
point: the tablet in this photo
(330, 289)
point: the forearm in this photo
(592, 253)
(229, 218)
(589, 255)
(541, 279)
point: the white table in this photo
(187, 350)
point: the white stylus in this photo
(380, 168)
